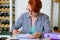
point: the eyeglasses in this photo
(29, 10)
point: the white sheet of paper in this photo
(21, 36)
(24, 37)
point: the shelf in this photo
(5, 33)
(13, 16)
(4, 2)
(13, 9)
(5, 36)
(4, 10)
(13, 1)
(4, 18)
(56, 0)
(5, 26)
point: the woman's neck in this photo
(34, 15)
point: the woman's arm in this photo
(17, 25)
(35, 35)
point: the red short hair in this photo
(36, 5)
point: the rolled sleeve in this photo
(46, 25)
(18, 24)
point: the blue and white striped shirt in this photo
(41, 25)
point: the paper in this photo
(24, 37)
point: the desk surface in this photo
(30, 39)
(23, 37)
(4, 36)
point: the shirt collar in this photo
(39, 15)
(28, 15)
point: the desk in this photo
(23, 37)
(7, 36)
(28, 39)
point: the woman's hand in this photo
(15, 32)
(35, 35)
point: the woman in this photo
(33, 22)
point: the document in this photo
(24, 37)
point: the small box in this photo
(52, 35)
(56, 0)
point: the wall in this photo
(20, 7)
(46, 7)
